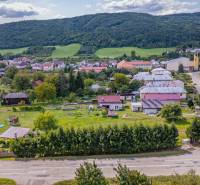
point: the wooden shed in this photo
(15, 99)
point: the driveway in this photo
(196, 80)
(40, 172)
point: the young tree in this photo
(22, 81)
(62, 85)
(79, 83)
(11, 72)
(194, 130)
(88, 82)
(45, 122)
(90, 174)
(38, 76)
(171, 112)
(72, 97)
(128, 177)
(45, 92)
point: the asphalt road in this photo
(47, 172)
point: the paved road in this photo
(47, 172)
(196, 80)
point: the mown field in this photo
(66, 51)
(60, 52)
(82, 118)
(117, 52)
(13, 51)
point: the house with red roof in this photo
(113, 102)
(134, 65)
(92, 69)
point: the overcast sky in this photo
(16, 10)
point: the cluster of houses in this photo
(159, 89)
(25, 62)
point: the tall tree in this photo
(62, 85)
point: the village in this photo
(154, 85)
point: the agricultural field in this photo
(66, 51)
(82, 118)
(60, 52)
(13, 51)
(117, 52)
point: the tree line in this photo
(110, 140)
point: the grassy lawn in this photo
(66, 51)
(81, 118)
(117, 52)
(13, 51)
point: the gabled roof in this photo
(152, 104)
(16, 95)
(15, 132)
(163, 90)
(109, 99)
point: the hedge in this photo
(111, 140)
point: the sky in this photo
(18, 10)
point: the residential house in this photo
(173, 65)
(92, 69)
(146, 77)
(167, 94)
(37, 67)
(152, 106)
(15, 98)
(48, 66)
(112, 103)
(134, 65)
(160, 71)
(15, 132)
(58, 65)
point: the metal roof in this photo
(16, 95)
(152, 104)
(162, 90)
(15, 132)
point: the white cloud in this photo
(158, 7)
(19, 9)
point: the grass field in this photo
(60, 52)
(66, 51)
(117, 52)
(13, 51)
(81, 118)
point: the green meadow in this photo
(117, 52)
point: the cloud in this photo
(19, 9)
(158, 7)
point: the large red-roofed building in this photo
(134, 65)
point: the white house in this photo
(113, 103)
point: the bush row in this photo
(111, 140)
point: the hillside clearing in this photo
(13, 51)
(117, 52)
(66, 51)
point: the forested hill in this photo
(105, 30)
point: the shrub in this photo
(171, 112)
(128, 177)
(194, 130)
(31, 108)
(4, 181)
(90, 174)
(45, 122)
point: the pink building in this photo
(134, 65)
(171, 94)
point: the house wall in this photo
(112, 106)
(164, 96)
(151, 111)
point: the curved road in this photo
(47, 172)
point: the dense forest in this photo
(105, 30)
